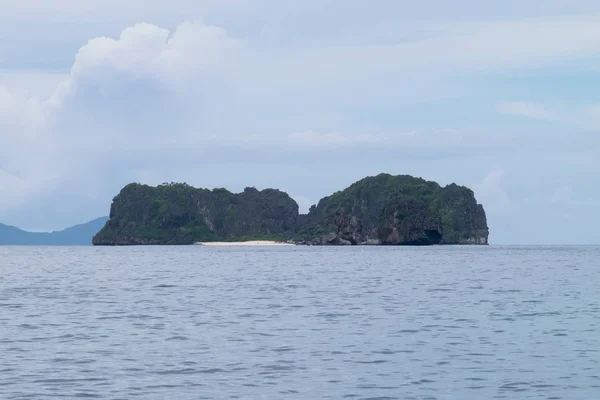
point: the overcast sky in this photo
(305, 96)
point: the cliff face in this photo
(380, 210)
(463, 219)
(181, 214)
(396, 210)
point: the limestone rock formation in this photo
(379, 210)
(181, 214)
(395, 210)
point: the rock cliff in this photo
(396, 210)
(181, 214)
(379, 210)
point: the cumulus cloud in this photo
(195, 53)
(19, 109)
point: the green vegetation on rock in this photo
(177, 213)
(384, 209)
(402, 209)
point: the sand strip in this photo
(248, 243)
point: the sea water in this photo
(201, 322)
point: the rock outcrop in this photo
(409, 221)
(181, 214)
(380, 210)
(395, 210)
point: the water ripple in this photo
(300, 323)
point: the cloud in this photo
(27, 163)
(334, 139)
(216, 106)
(585, 116)
(13, 190)
(565, 196)
(194, 51)
(93, 10)
(492, 193)
(530, 110)
(33, 83)
(469, 47)
(17, 108)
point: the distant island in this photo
(78, 235)
(377, 210)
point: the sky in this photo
(304, 96)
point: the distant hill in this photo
(78, 235)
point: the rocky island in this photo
(378, 210)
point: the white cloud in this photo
(12, 189)
(531, 110)
(17, 108)
(27, 163)
(373, 70)
(564, 195)
(491, 192)
(335, 139)
(583, 116)
(91, 10)
(588, 117)
(35, 83)
(459, 48)
(195, 53)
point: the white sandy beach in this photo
(248, 243)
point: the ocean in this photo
(197, 322)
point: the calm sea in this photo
(300, 323)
